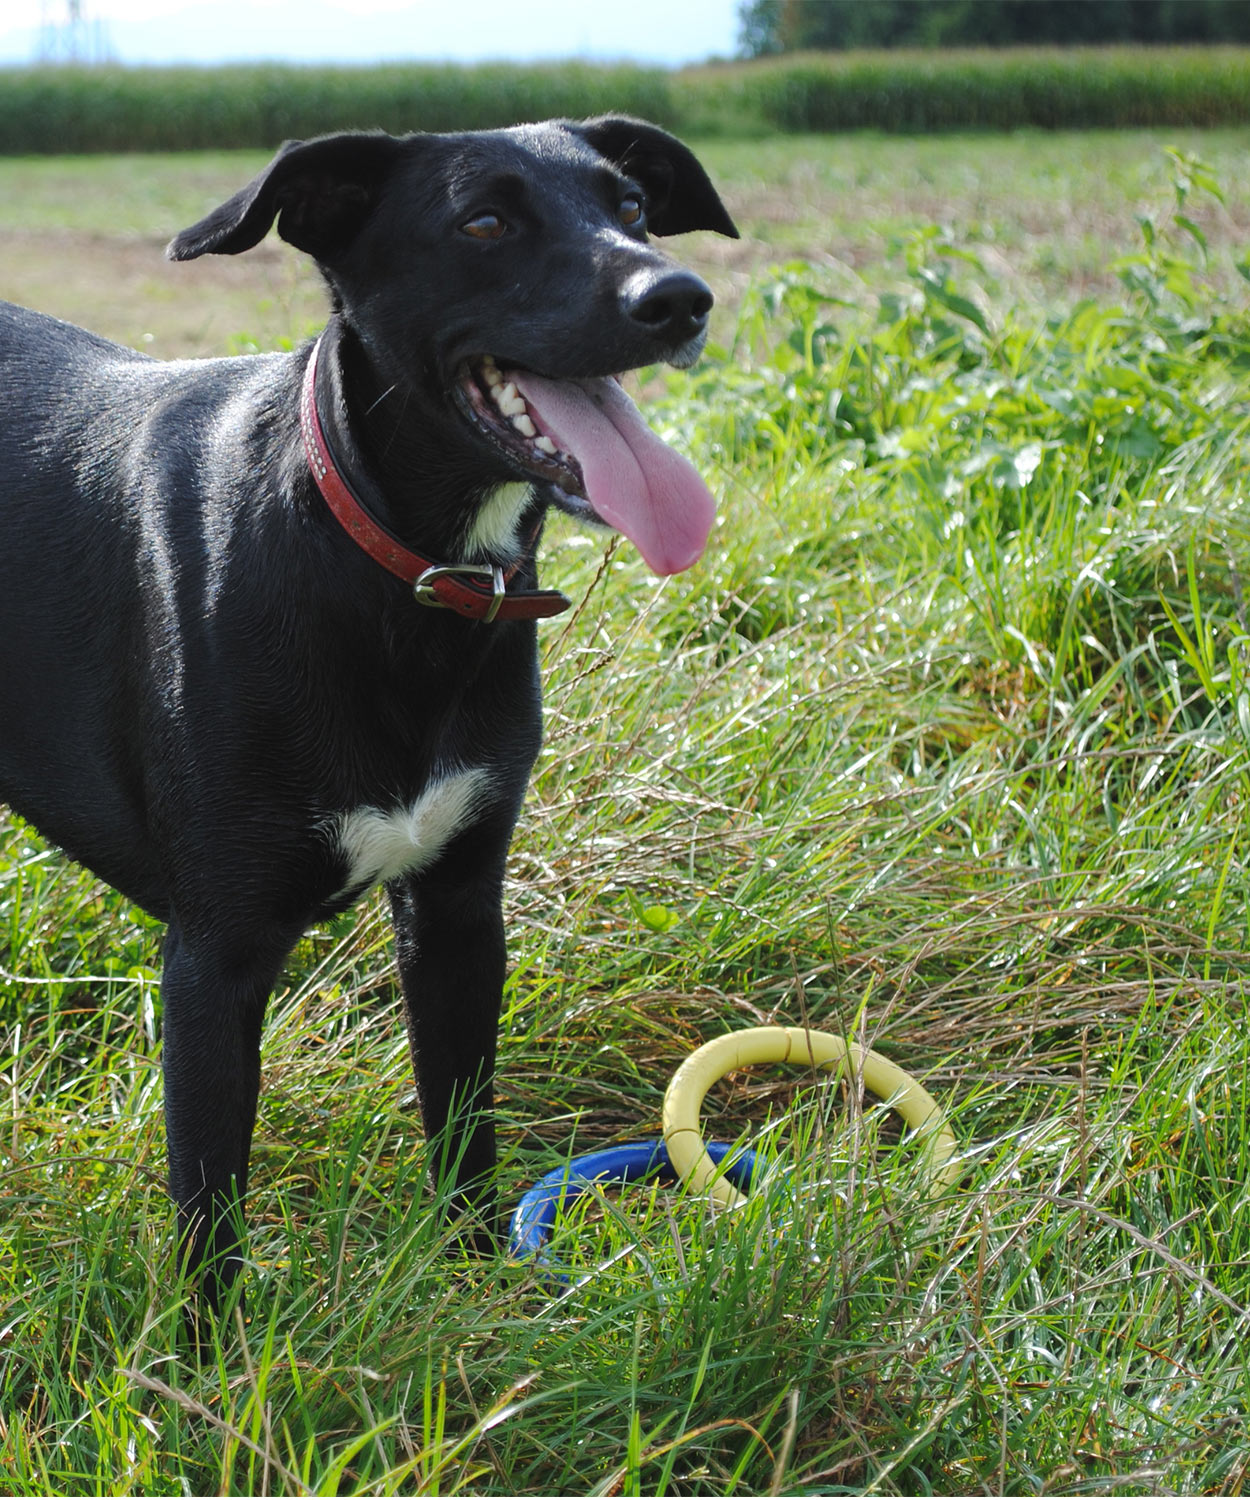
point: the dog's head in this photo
(510, 275)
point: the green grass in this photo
(946, 747)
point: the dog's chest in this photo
(378, 844)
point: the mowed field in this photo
(944, 747)
(82, 238)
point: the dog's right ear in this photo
(319, 191)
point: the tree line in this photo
(769, 27)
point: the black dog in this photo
(218, 690)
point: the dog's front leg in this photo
(213, 1004)
(449, 941)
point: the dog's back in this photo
(111, 510)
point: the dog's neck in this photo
(476, 587)
(421, 477)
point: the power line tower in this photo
(68, 35)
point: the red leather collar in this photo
(476, 590)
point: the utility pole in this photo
(68, 35)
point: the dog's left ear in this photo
(680, 195)
(319, 191)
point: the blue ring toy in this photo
(639, 1161)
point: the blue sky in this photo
(208, 31)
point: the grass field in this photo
(945, 747)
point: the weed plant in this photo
(946, 747)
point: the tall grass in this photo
(1076, 88)
(946, 747)
(73, 110)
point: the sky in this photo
(359, 31)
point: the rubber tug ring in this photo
(683, 1100)
(681, 1155)
(638, 1161)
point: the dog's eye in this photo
(484, 227)
(630, 211)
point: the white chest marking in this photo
(379, 844)
(494, 529)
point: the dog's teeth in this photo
(511, 404)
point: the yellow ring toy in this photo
(683, 1100)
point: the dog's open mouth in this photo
(586, 438)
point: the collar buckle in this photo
(469, 600)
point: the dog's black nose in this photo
(673, 305)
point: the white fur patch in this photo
(493, 533)
(378, 845)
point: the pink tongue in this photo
(636, 483)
